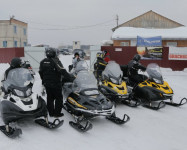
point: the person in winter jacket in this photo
(133, 67)
(106, 56)
(76, 59)
(52, 73)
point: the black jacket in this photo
(52, 72)
(134, 66)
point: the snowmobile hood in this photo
(163, 88)
(94, 102)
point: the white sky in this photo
(71, 14)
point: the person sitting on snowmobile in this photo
(133, 67)
(75, 60)
(99, 65)
(15, 63)
(51, 72)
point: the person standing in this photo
(52, 72)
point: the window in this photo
(24, 31)
(24, 43)
(124, 44)
(4, 43)
(172, 44)
(15, 44)
(15, 29)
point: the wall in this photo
(127, 53)
(6, 54)
(34, 55)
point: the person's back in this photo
(48, 72)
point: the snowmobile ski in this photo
(130, 103)
(80, 127)
(12, 133)
(159, 106)
(50, 125)
(182, 102)
(117, 120)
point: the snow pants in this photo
(54, 100)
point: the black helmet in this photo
(137, 57)
(50, 53)
(16, 62)
(76, 54)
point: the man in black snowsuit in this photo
(133, 67)
(52, 72)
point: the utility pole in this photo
(117, 19)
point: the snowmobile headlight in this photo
(158, 81)
(114, 80)
(93, 92)
(28, 92)
(18, 92)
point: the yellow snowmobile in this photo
(112, 85)
(154, 89)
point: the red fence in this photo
(127, 53)
(6, 54)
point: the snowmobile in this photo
(154, 89)
(113, 87)
(20, 103)
(83, 101)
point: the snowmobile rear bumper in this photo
(12, 113)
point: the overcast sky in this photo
(59, 22)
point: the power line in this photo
(74, 27)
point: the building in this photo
(13, 33)
(150, 19)
(150, 24)
(76, 45)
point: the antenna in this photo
(117, 19)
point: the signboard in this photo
(177, 53)
(118, 49)
(150, 52)
(149, 42)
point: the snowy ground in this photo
(165, 129)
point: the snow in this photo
(130, 32)
(165, 129)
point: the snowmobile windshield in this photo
(154, 73)
(19, 77)
(81, 65)
(113, 72)
(85, 81)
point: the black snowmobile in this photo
(154, 89)
(20, 103)
(83, 101)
